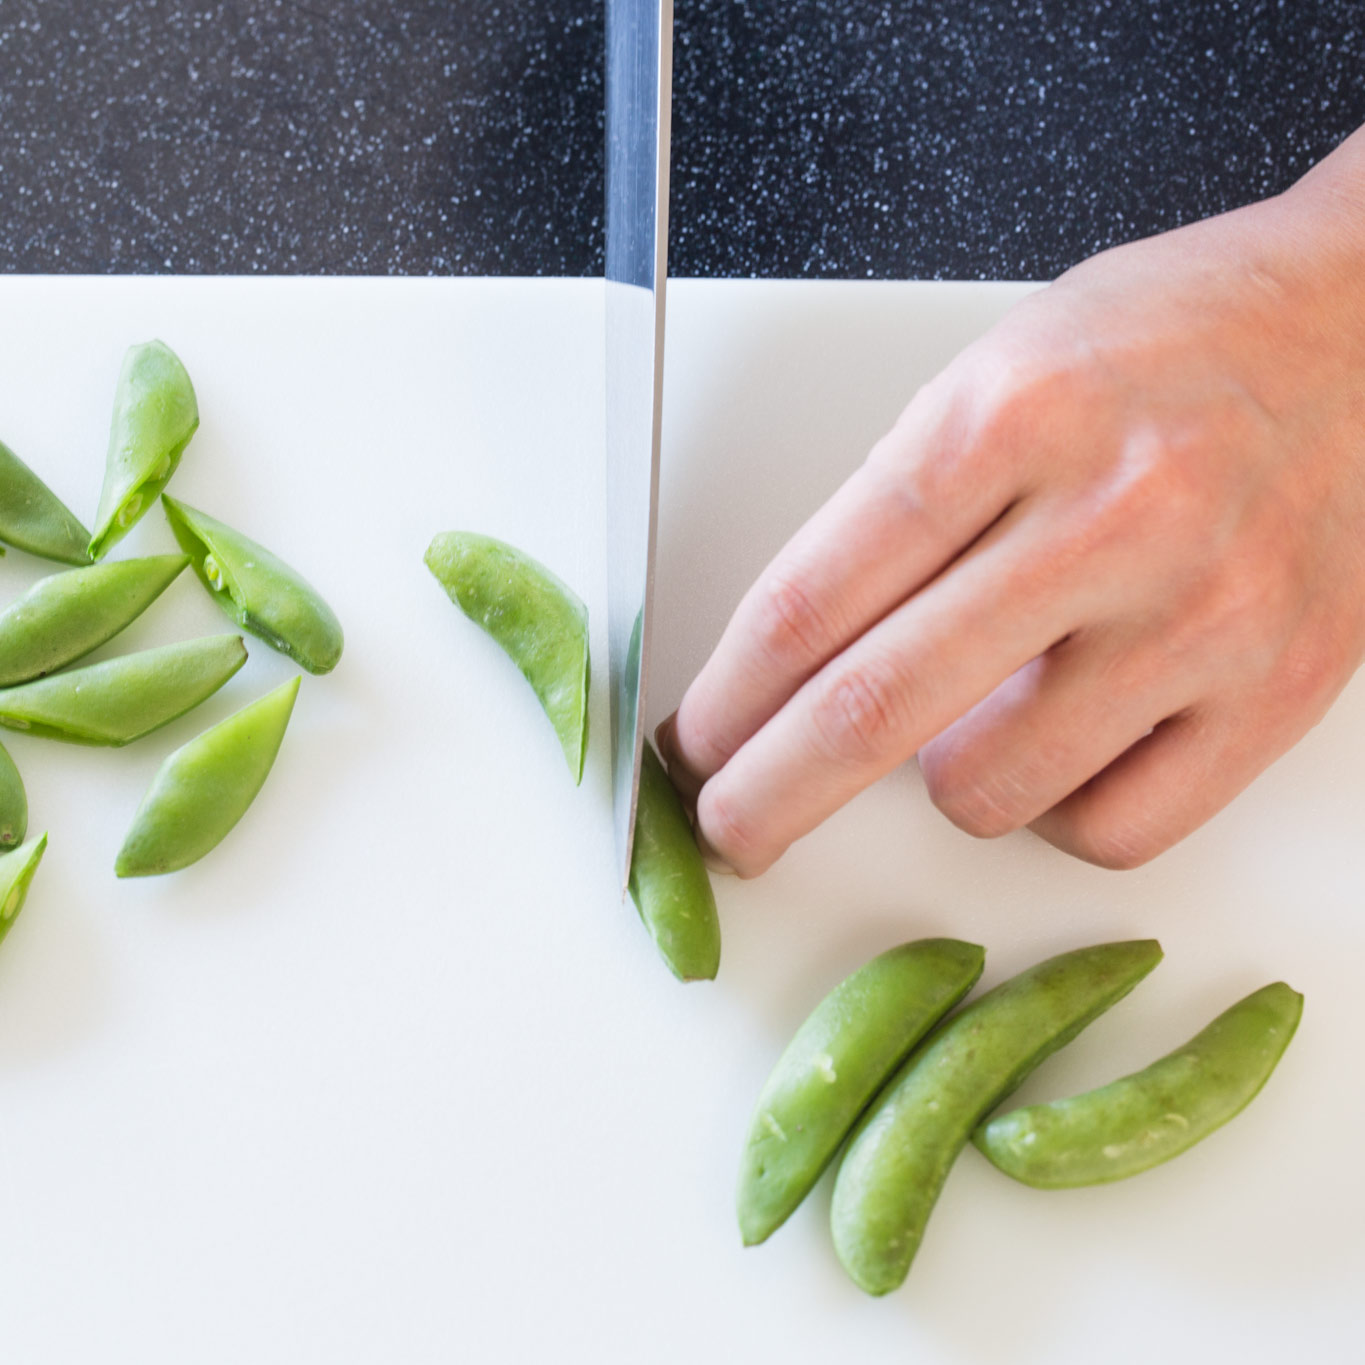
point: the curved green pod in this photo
(34, 518)
(539, 622)
(668, 879)
(1147, 1118)
(63, 617)
(205, 787)
(838, 1060)
(16, 875)
(258, 590)
(122, 699)
(155, 414)
(902, 1151)
(13, 803)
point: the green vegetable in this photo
(204, 788)
(1149, 1117)
(122, 699)
(258, 591)
(63, 617)
(13, 803)
(16, 873)
(903, 1149)
(155, 414)
(33, 518)
(540, 624)
(838, 1060)
(668, 880)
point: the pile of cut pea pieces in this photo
(205, 787)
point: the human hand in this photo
(1107, 566)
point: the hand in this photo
(1107, 566)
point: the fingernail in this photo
(663, 737)
(711, 858)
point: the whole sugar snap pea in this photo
(16, 873)
(34, 518)
(257, 590)
(13, 803)
(840, 1057)
(204, 788)
(539, 622)
(669, 881)
(155, 414)
(122, 699)
(1151, 1116)
(903, 1149)
(63, 617)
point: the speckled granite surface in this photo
(886, 138)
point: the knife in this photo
(639, 93)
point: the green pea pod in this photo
(63, 617)
(34, 518)
(669, 881)
(902, 1151)
(16, 874)
(155, 414)
(540, 624)
(838, 1060)
(122, 699)
(13, 803)
(258, 591)
(1151, 1116)
(205, 787)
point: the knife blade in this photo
(638, 102)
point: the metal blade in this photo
(639, 91)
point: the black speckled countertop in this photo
(864, 138)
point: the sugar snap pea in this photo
(33, 518)
(838, 1060)
(16, 874)
(257, 589)
(122, 699)
(539, 622)
(668, 880)
(903, 1149)
(1155, 1114)
(13, 803)
(205, 787)
(66, 615)
(155, 414)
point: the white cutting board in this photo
(394, 1076)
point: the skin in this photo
(16, 875)
(1105, 568)
(63, 617)
(122, 699)
(155, 414)
(540, 624)
(205, 787)
(901, 1153)
(258, 591)
(33, 518)
(838, 1060)
(13, 803)
(668, 880)
(1147, 1118)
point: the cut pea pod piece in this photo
(205, 787)
(668, 880)
(122, 699)
(63, 617)
(257, 590)
(16, 875)
(902, 1150)
(541, 625)
(838, 1060)
(1147, 1118)
(155, 414)
(34, 518)
(13, 803)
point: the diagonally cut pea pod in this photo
(13, 803)
(155, 414)
(122, 699)
(540, 624)
(257, 590)
(16, 874)
(33, 518)
(63, 617)
(205, 787)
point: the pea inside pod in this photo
(13, 803)
(34, 518)
(16, 875)
(1153, 1115)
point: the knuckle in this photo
(790, 628)
(727, 831)
(1116, 844)
(860, 713)
(984, 806)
